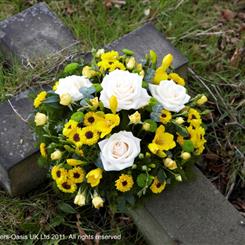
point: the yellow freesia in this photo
(93, 177)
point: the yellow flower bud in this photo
(65, 99)
(202, 100)
(95, 103)
(135, 118)
(142, 73)
(97, 201)
(146, 126)
(170, 164)
(88, 72)
(40, 119)
(185, 155)
(131, 63)
(56, 155)
(93, 177)
(99, 52)
(178, 177)
(80, 199)
(179, 120)
(177, 78)
(113, 104)
(167, 61)
(160, 75)
(55, 86)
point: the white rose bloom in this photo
(119, 151)
(71, 85)
(172, 96)
(127, 87)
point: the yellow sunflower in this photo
(67, 186)
(39, 99)
(76, 174)
(91, 118)
(157, 187)
(194, 117)
(124, 183)
(89, 135)
(58, 173)
(76, 137)
(70, 128)
(42, 148)
(165, 116)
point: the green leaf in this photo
(127, 51)
(66, 208)
(56, 221)
(77, 116)
(51, 99)
(188, 146)
(161, 175)
(97, 87)
(130, 198)
(181, 130)
(141, 180)
(71, 68)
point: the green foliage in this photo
(71, 68)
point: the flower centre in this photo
(158, 185)
(124, 183)
(91, 119)
(76, 175)
(89, 135)
(76, 137)
(58, 173)
(119, 149)
(65, 185)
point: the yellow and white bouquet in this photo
(115, 129)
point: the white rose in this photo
(172, 96)
(71, 85)
(127, 87)
(119, 151)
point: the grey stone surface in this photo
(196, 213)
(33, 34)
(19, 172)
(145, 38)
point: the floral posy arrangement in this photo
(115, 130)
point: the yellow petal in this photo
(113, 104)
(167, 61)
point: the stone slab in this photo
(193, 213)
(19, 171)
(17, 144)
(33, 34)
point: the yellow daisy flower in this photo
(110, 56)
(157, 187)
(165, 116)
(70, 128)
(76, 174)
(194, 117)
(76, 137)
(89, 135)
(124, 183)
(197, 138)
(42, 148)
(67, 186)
(58, 173)
(91, 118)
(74, 162)
(39, 99)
